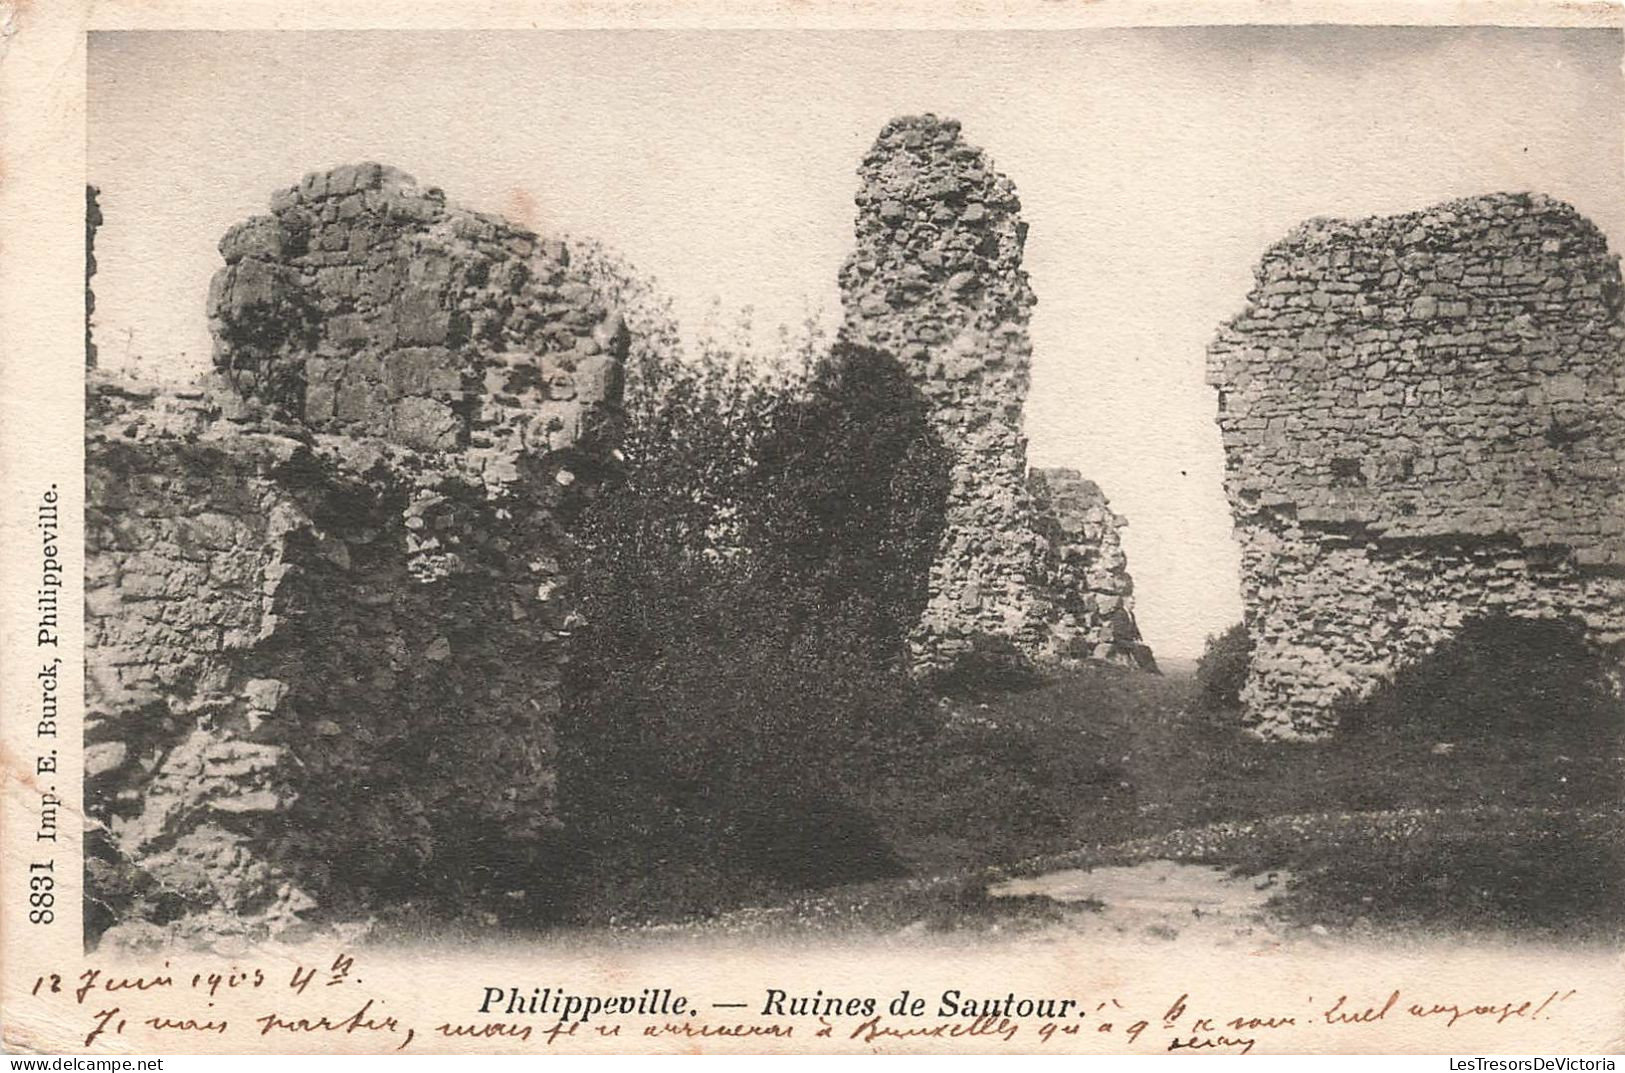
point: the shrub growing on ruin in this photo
(845, 500)
(992, 666)
(265, 341)
(1499, 677)
(1221, 672)
(746, 585)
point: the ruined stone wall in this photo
(367, 305)
(93, 222)
(936, 282)
(1423, 421)
(326, 593)
(1085, 571)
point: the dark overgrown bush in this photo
(1221, 672)
(844, 504)
(1501, 676)
(746, 583)
(992, 666)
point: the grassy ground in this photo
(1522, 834)
(1495, 832)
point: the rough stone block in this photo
(598, 379)
(426, 424)
(258, 236)
(264, 693)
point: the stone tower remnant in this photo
(326, 594)
(936, 281)
(1083, 573)
(1423, 421)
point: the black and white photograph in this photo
(968, 496)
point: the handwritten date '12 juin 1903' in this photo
(235, 1003)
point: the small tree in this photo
(1221, 672)
(746, 584)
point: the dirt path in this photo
(1158, 898)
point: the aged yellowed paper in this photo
(655, 528)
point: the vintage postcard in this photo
(653, 528)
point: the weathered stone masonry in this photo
(324, 610)
(93, 221)
(1084, 572)
(1423, 421)
(367, 306)
(936, 281)
(327, 590)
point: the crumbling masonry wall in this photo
(1423, 421)
(1084, 571)
(326, 592)
(93, 222)
(367, 306)
(936, 281)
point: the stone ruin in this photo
(1028, 559)
(1084, 572)
(93, 222)
(369, 308)
(327, 589)
(1423, 421)
(323, 603)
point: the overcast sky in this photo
(1154, 166)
